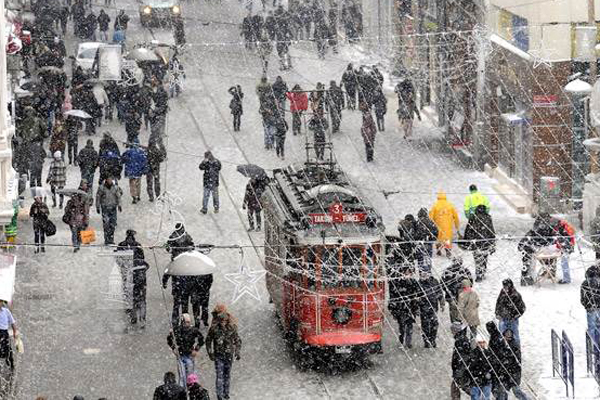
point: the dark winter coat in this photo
(131, 244)
(185, 339)
(426, 231)
(431, 296)
(160, 99)
(156, 154)
(197, 392)
(88, 159)
(103, 21)
(595, 231)
(368, 129)
(404, 302)
(404, 252)
(334, 98)
(199, 288)
(480, 369)
(452, 279)
(505, 359)
(380, 103)
(509, 304)
(169, 391)
(110, 165)
(37, 156)
(406, 100)
(252, 196)
(211, 170)
(179, 242)
(236, 103)
(280, 88)
(479, 233)
(349, 80)
(39, 212)
(590, 289)
(76, 212)
(223, 341)
(461, 358)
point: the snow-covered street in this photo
(78, 342)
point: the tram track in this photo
(363, 384)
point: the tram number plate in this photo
(343, 349)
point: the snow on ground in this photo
(76, 341)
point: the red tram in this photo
(324, 251)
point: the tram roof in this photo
(303, 195)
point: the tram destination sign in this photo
(336, 215)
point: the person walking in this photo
(88, 160)
(511, 364)
(252, 203)
(103, 24)
(280, 89)
(595, 232)
(452, 280)
(566, 245)
(445, 217)
(185, 340)
(334, 100)
(169, 390)
(156, 154)
(158, 110)
(281, 128)
(236, 106)
(318, 125)
(7, 321)
(431, 299)
(407, 106)
(108, 202)
(403, 304)
(509, 308)
(223, 344)
(57, 177)
(39, 213)
(480, 238)
(121, 22)
(77, 217)
(72, 126)
(139, 268)
(590, 300)
(349, 82)
(136, 165)
(426, 233)
(380, 105)
(195, 390)
(480, 371)
(368, 131)
(37, 157)
(212, 169)
(474, 199)
(58, 140)
(468, 306)
(199, 289)
(179, 242)
(298, 105)
(460, 357)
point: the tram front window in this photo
(330, 264)
(352, 261)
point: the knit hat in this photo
(466, 283)
(191, 379)
(57, 154)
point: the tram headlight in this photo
(147, 10)
(176, 9)
(341, 315)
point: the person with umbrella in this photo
(179, 242)
(252, 203)
(39, 213)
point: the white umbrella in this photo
(191, 263)
(79, 114)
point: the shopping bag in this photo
(49, 228)
(88, 236)
(19, 345)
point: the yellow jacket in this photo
(444, 214)
(473, 200)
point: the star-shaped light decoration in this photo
(543, 56)
(245, 283)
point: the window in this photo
(309, 268)
(352, 261)
(330, 264)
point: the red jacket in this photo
(298, 101)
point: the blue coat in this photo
(136, 162)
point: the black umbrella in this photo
(251, 171)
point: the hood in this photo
(441, 195)
(423, 213)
